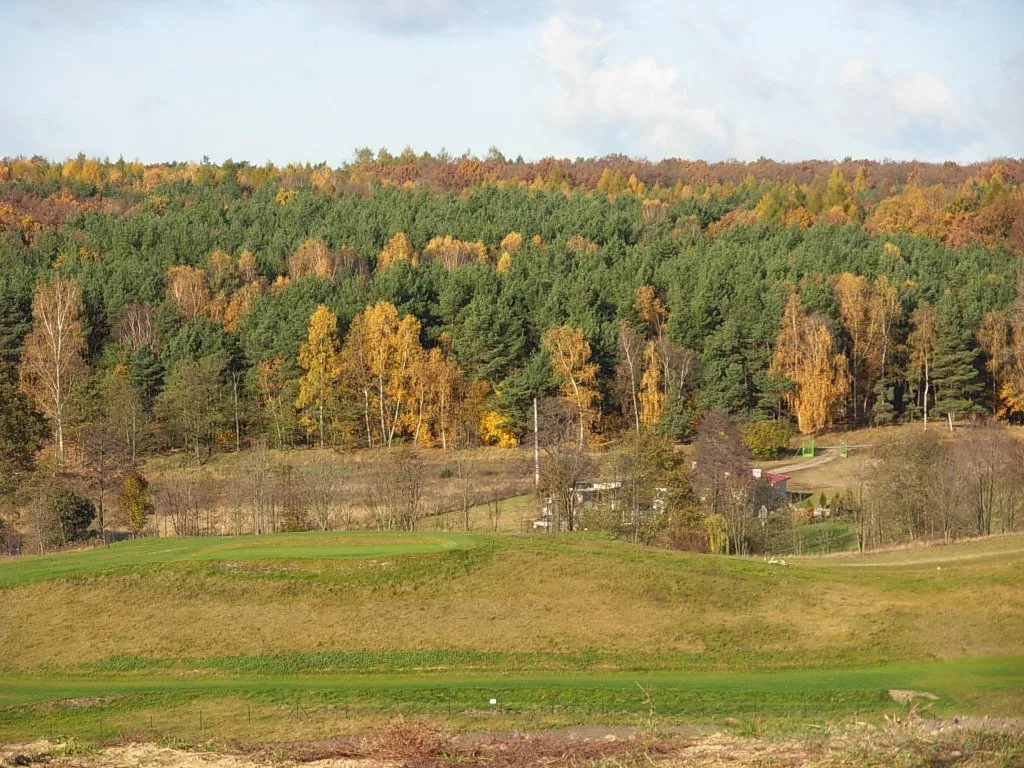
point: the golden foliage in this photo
(652, 396)
(1001, 335)
(240, 304)
(398, 249)
(311, 258)
(247, 267)
(220, 267)
(320, 360)
(651, 308)
(452, 253)
(869, 313)
(798, 217)
(382, 353)
(494, 430)
(805, 355)
(651, 210)
(576, 374)
(580, 245)
(511, 242)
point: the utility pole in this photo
(536, 448)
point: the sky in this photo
(313, 80)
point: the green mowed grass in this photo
(559, 629)
(155, 551)
(297, 706)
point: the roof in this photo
(775, 478)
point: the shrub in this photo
(134, 501)
(64, 517)
(446, 473)
(766, 439)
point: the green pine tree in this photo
(955, 377)
(883, 410)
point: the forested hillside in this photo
(430, 299)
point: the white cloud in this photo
(639, 103)
(900, 111)
(924, 93)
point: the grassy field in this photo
(305, 635)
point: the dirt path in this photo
(855, 744)
(826, 455)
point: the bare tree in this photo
(184, 500)
(289, 499)
(564, 464)
(322, 483)
(396, 490)
(494, 510)
(721, 475)
(903, 486)
(988, 462)
(137, 327)
(103, 456)
(465, 488)
(257, 484)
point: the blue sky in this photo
(311, 80)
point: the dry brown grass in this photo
(486, 473)
(424, 745)
(531, 595)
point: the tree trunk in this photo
(321, 423)
(234, 393)
(926, 387)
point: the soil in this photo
(420, 746)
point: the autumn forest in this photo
(428, 300)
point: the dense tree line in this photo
(429, 299)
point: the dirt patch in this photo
(85, 702)
(949, 742)
(905, 697)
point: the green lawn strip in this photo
(249, 706)
(953, 679)
(133, 554)
(463, 661)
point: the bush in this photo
(62, 517)
(766, 439)
(446, 473)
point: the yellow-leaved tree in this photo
(652, 392)
(320, 360)
(436, 383)
(868, 312)
(806, 356)
(569, 351)
(311, 258)
(452, 253)
(398, 249)
(382, 353)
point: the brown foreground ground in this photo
(966, 743)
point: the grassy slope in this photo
(567, 623)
